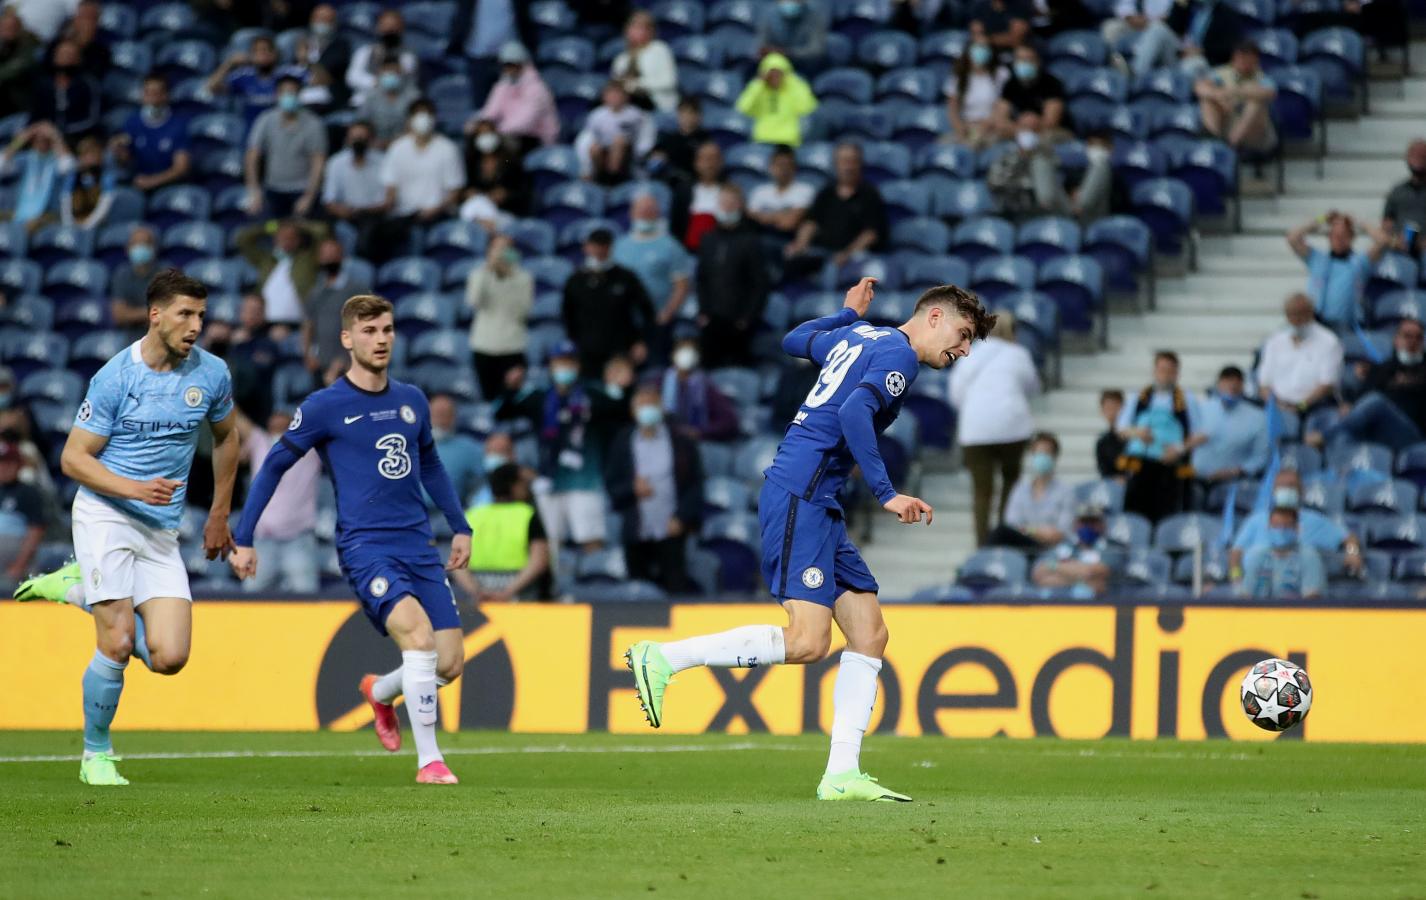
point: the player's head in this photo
(368, 331)
(946, 320)
(176, 307)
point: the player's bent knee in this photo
(167, 662)
(450, 670)
(117, 643)
(805, 649)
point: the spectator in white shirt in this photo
(646, 68)
(991, 389)
(973, 90)
(423, 174)
(351, 187)
(781, 204)
(1300, 364)
(615, 135)
(286, 532)
(365, 67)
(1041, 507)
(1139, 30)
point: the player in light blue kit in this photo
(810, 564)
(374, 436)
(130, 450)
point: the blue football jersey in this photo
(151, 420)
(379, 452)
(866, 370)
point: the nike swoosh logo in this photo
(840, 790)
(350, 419)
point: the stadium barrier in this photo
(1074, 671)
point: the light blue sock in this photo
(103, 683)
(141, 644)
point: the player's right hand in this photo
(909, 509)
(244, 562)
(859, 297)
(156, 491)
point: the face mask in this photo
(979, 54)
(727, 217)
(1229, 400)
(494, 461)
(595, 265)
(153, 113)
(440, 434)
(1096, 153)
(1407, 358)
(614, 390)
(323, 29)
(423, 123)
(1299, 332)
(288, 103)
(1025, 70)
(359, 148)
(564, 377)
(1087, 534)
(648, 416)
(1281, 538)
(488, 142)
(332, 268)
(789, 8)
(1286, 497)
(1041, 463)
(141, 254)
(280, 254)
(391, 40)
(685, 358)
(1028, 140)
(390, 81)
(646, 226)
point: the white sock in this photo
(388, 687)
(741, 648)
(418, 683)
(852, 700)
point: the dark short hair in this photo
(602, 236)
(962, 301)
(503, 481)
(154, 76)
(289, 78)
(1166, 354)
(364, 123)
(171, 284)
(783, 150)
(1231, 372)
(262, 39)
(1111, 394)
(363, 307)
(419, 104)
(1286, 510)
(1047, 437)
(690, 101)
(1246, 47)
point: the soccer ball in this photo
(1276, 694)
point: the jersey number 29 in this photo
(838, 362)
(396, 464)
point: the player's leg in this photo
(411, 629)
(103, 684)
(163, 602)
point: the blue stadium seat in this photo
(727, 128)
(1210, 169)
(931, 236)
(57, 243)
(184, 59)
(111, 242)
(697, 52)
(431, 17)
(869, 124)
(1166, 206)
(20, 276)
(550, 272)
(222, 306)
(574, 54)
(1338, 56)
(1276, 47)
(992, 567)
(941, 47)
(1104, 493)
(853, 85)
(30, 311)
(1105, 84)
(816, 157)
(1394, 533)
(677, 18)
(1398, 497)
(1301, 458)
(223, 276)
(752, 159)
(175, 17)
(117, 21)
(81, 315)
(220, 171)
(1084, 47)
(1130, 530)
(1181, 532)
(1047, 237)
(975, 240)
(1365, 457)
(919, 127)
(1411, 464)
(1244, 498)
(89, 353)
(1410, 568)
(1298, 104)
(1393, 272)
(736, 540)
(178, 203)
(721, 87)
(919, 273)
(26, 352)
(76, 278)
(14, 239)
(1216, 569)
(887, 50)
(188, 241)
(1034, 311)
(454, 239)
(963, 200)
(444, 345)
(1122, 245)
(951, 159)
(55, 385)
(576, 93)
(455, 275)
(1182, 120)
(1326, 494)
(360, 17)
(1077, 285)
(407, 275)
(419, 313)
(745, 14)
(131, 57)
(885, 161)
(563, 203)
(722, 494)
(532, 237)
(1147, 567)
(190, 97)
(127, 206)
(998, 275)
(542, 338)
(1166, 84)
(1135, 162)
(1391, 307)
(920, 85)
(935, 419)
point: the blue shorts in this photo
(806, 552)
(381, 576)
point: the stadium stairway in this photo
(1216, 315)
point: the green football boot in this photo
(854, 785)
(53, 587)
(99, 770)
(652, 673)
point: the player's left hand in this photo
(460, 553)
(244, 562)
(217, 539)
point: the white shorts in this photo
(124, 559)
(573, 515)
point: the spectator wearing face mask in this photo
(671, 160)
(692, 401)
(423, 175)
(777, 101)
(796, 29)
(1337, 279)
(655, 480)
(780, 204)
(606, 308)
(289, 145)
(322, 324)
(1300, 364)
(352, 191)
(1031, 89)
(24, 516)
(1284, 568)
(70, 97)
(500, 294)
(129, 285)
(615, 134)
(1313, 528)
(1028, 182)
(733, 284)
(326, 52)
(365, 68)
(88, 189)
(1161, 426)
(512, 559)
(498, 189)
(650, 252)
(154, 142)
(1085, 562)
(386, 105)
(1392, 407)
(972, 91)
(520, 104)
(1404, 215)
(285, 256)
(570, 419)
(253, 78)
(646, 68)
(42, 159)
(1110, 446)
(459, 453)
(1236, 444)
(1039, 513)
(497, 451)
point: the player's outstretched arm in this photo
(80, 461)
(217, 539)
(798, 341)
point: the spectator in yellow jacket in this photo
(776, 101)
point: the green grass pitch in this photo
(711, 816)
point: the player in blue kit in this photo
(810, 564)
(374, 436)
(130, 450)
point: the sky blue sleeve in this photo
(798, 341)
(860, 434)
(100, 406)
(436, 480)
(1257, 460)
(222, 403)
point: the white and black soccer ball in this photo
(1277, 694)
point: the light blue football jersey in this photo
(151, 420)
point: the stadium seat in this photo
(1338, 56)
(572, 237)
(1300, 458)
(454, 239)
(26, 352)
(927, 235)
(736, 539)
(919, 273)
(853, 85)
(1298, 105)
(175, 17)
(1393, 272)
(1077, 285)
(696, 52)
(1085, 47)
(444, 345)
(722, 494)
(1047, 237)
(14, 239)
(1326, 494)
(1397, 497)
(20, 276)
(188, 241)
(1166, 206)
(81, 315)
(887, 50)
(964, 200)
(532, 237)
(904, 199)
(919, 85)
(1277, 47)
(29, 311)
(178, 203)
(1170, 85)
(91, 351)
(1129, 530)
(975, 240)
(951, 159)
(549, 272)
(1105, 493)
(1182, 121)
(561, 204)
(1410, 567)
(941, 48)
(993, 567)
(935, 418)
(57, 243)
(59, 386)
(1147, 568)
(1244, 493)
(185, 59)
(548, 165)
(1210, 169)
(1181, 532)
(998, 275)
(407, 275)
(1216, 569)
(574, 54)
(919, 127)
(222, 307)
(1137, 161)
(727, 128)
(1359, 458)
(76, 278)
(419, 313)
(1394, 533)
(1390, 307)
